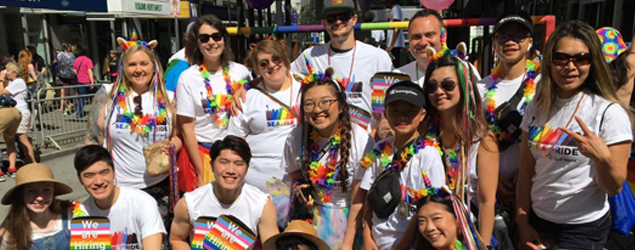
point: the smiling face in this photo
(274, 72)
(229, 170)
(211, 50)
(512, 51)
(569, 77)
(139, 69)
(437, 225)
(38, 196)
(403, 117)
(339, 30)
(441, 98)
(98, 180)
(424, 32)
(321, 108)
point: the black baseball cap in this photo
(406, 91)
(338, 5)
(515, 16)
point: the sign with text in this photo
(151, 7)
(229, 233)
(380, 82)
(78, 5)
(202, 226)
(90, 233)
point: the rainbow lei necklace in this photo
(144, 123)
(384, 152)
(218, 101)
(323, 174)
(455, 163)
(529, 89)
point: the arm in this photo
(181, 227)
(395, 33)
(354, 216)
(32, 72)
(487, 171)
(523, 195)
(152, 242)
(91, 76)
(268, 224)
(295, 175)
(186, 126)
(94, 132)
(369, 242)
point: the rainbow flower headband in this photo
(313, 75)
(135, 42)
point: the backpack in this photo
(65, 62)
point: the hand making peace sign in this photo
(589, 144)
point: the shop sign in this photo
(78, 5)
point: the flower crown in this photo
(313, 76)
(460, 52)
(135, 42)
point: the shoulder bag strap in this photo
(602, 119)
(278, 102)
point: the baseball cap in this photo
(330, 5)
(31, 45)
(406, 91)
(520, 17)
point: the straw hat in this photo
(298, 228)
(32, 173)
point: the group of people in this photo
(297, 145)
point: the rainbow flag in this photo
(202, 226)
(380, 82)
(229, 233)
(90, 233)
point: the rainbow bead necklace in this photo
(219, 102)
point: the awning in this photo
(79, 5)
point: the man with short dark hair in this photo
(227, 195)
(133, 214)
(38, 61)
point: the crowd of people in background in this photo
(311, 153)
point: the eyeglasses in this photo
(562, 59)
(323, 105)
(264, 63)
(447, 85)
(503, 38)
(343, 16)
(138, 111)
(205, 37)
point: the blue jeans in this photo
(592, 235)
(80, 101)
(58, 241)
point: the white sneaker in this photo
(3, 178)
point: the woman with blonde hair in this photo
(575, 144)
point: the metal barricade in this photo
(59, 116)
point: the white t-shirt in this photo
(19, 93)
(505, 90)
(387, 232)
(180, 55)
(416, 74)
(191, 93)
(248, 207)
(378, 35)
(127, 146)
(366, 60)
(134, 216)
(565, 189)
(265, 124)
(395, 15)
(361, 143)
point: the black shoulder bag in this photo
(508, 118)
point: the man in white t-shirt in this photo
(354, 62)
(425, 30)
(227, 195)
(135, 221)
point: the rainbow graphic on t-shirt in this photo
(229, 233)
(122, 240)
(222, 103)
(202, 226)
(280, 117)
(380, 83)
(545, 136)
(90, 233)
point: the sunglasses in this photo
(215, 36)
(518, 37)
(138, 111)
(447, 85)
(264, 63)
(562, 59)
(343, 16)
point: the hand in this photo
(166, 148)
(369, 244)
(305, 200)
(529, 237)
(238, 99)
(589, 144)
(383, 128)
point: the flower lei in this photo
(455, 163)
(140, 124)
(218, 101)
(384, 152)
(529, 88)
(77, 210)
(323, 174)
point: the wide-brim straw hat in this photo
(34, 173)
(298, 228)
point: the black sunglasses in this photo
(138, 111)
(562, 59)
(503, 38)
(264, 63)
(343, 16)
(205, 37)
(447, 85)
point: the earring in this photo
(529, 48)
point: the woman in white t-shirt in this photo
(470, 149)
(204, 97)
(324, 151)
(575, 146)
(17, 89)
(269, 114)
